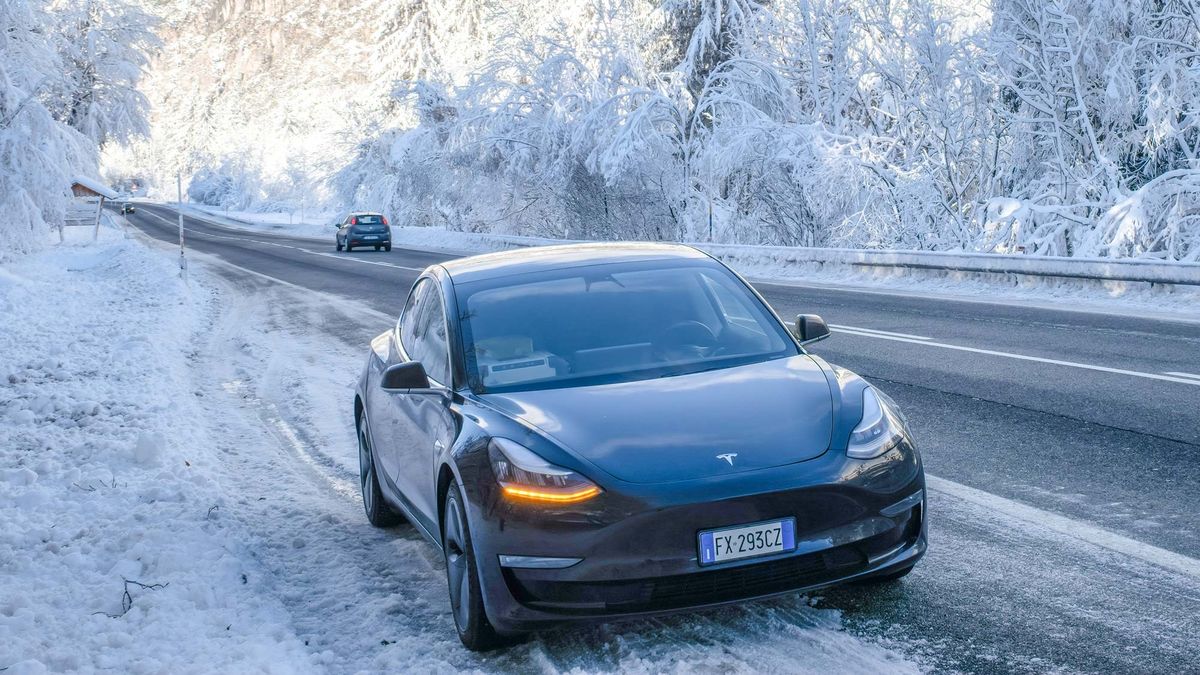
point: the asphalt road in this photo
(1064, 446)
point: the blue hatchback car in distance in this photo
(362, 230)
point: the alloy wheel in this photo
(457, 573)
(366, 468)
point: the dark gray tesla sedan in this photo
(596, 431)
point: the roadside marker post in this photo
(179, 209)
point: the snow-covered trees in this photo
(105, 46)
(813, 123)
(816, 123)
(68, 72)
(38, 155)
(1051, 126)
(1100, 103)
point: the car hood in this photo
(676, 428)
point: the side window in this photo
(408, 318)
(423, 331)
(434, 347)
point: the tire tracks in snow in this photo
(998, 592)
(369, 599)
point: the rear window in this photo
(368, 220)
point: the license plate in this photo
(370, 236)
(747, 541)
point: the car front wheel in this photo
(378, 512)
(462, 577)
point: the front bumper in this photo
(638, 543)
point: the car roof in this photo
(539, 258)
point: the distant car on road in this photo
(363, 229)
(595, 431)
(126, 208)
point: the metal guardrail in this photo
(1130, 270)
(1093, 269)
(1089, 269)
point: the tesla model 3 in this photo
(602, 431)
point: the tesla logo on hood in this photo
(728, 457)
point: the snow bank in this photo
(316, 224)
(113, 551)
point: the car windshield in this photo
(615, 322)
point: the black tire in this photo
(349, 247)
(387, 247)
(886, 578)
(377, 248)
(462, 579)
(378, 512)
(339, 243)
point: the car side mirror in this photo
(405, 376)
(810, 328)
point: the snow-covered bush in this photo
(230, 184)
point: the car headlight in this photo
(879, 431)
(525, 476)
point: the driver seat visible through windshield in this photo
(617, 323)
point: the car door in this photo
(343, 229)
(422, 424)
(380, 410)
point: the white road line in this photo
(340, 302)
(852, 330)
(1069, 527)
(1179, 374)
(1171, 377)
(275, 243)
(357, 260)
(872, 331)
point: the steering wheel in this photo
(686, 338)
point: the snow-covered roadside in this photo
(197, 440)
(114, 554)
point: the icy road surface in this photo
(133, 406)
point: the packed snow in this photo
(114, 540)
